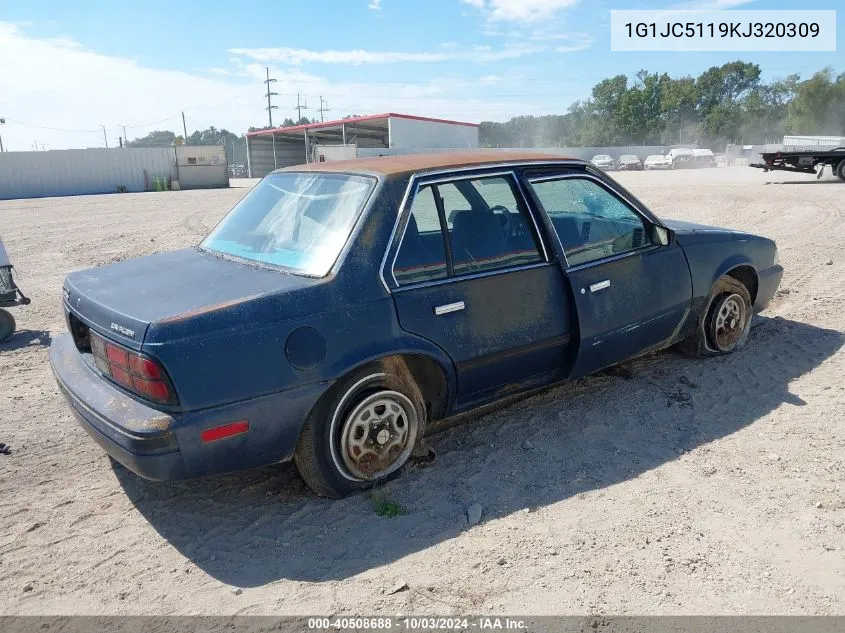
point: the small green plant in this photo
(386, 507)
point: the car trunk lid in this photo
(122, 299)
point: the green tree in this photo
(819, 105)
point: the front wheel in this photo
(726, 322)
(363, 431)
(7, 325)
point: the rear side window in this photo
(488, 226)
(422, 256)
(485, 224)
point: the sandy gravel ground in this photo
(669, 486)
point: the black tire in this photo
(320, 457)
(726, 321)
(840, 170)
(7, 325)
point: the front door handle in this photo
(449, 307)
(600, 285)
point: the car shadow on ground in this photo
(251, 528)
(27, 338)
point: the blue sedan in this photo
(342, 307)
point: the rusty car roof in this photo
(415, 163)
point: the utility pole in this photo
(2, 122)
(270, 107)
(300, 108)
(184, 129)
(125, 138)
(105, 137)
(322, 109)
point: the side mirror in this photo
(662, 236)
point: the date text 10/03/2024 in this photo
(417, 624)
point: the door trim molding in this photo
(452, 280)
(497, 357)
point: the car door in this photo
(472, 274)
(631, 286)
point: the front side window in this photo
(591, 222)
(296, 220)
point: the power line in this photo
(53, 129)
(270, 107)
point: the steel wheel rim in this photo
(729, 322)
(378, 435)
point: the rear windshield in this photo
(295, 220)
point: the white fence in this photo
(585, 153)
(82, 171)
(88, 171)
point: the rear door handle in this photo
(449, 307)
(600, 285)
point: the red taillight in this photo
(133, 371)
(154, 389)
(144, 367)
(116, 355)
(121, 375)
(227, 430)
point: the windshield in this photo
(628, 157)
(295, 220)
(601, 157)
(656, 157)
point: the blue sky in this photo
(74, 67)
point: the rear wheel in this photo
(840, 170)
(7, 325)
(363, 431)
(726, 322)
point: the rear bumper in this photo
(767, 285)
(161, 446)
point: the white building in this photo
(356, 136)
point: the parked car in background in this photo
(681, 158)
(603, 161)
(703, 158)
(721, 160)
(629, 162)
(657, 161)
(327, 322)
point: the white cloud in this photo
(297, 56)
(87, 89)
(375, 5)
(520, 10)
